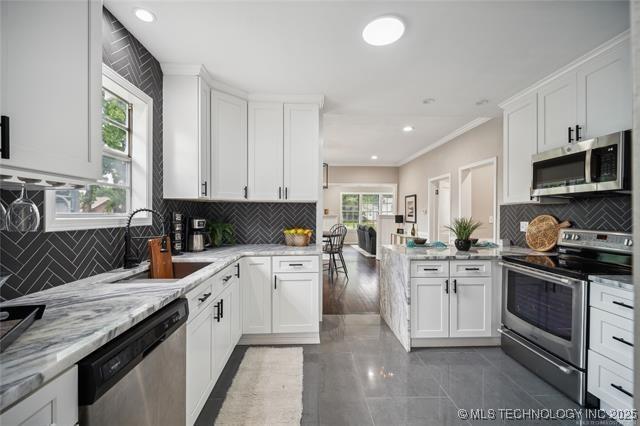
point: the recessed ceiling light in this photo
(374, 157)
(144, 15)
(428, 101)
(482, 102)
(408, 129)
(383, 31)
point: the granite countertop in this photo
(451, 253)
(624, 282)
(83, 315)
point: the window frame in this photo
(360, 211)
(141, 171)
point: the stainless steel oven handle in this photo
(565, 370)
(543, 275)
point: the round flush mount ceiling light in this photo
(383, 31)
(374, 157)
(408, 129)
(428, 101)
(144, 15)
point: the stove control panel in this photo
(601, 240)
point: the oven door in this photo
(547, 309)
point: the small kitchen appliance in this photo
(196, 234)
(545, 304)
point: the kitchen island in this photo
(395, 288)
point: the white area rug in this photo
(362, 252)
(267, 389)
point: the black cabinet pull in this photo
(275, 282)
(429, 269)
(238, 270)
(446, 286)
(471, 269)
(217, 315)
(279, 193)
(296, 264)
(204, 185)
(286, 192)
(221, 308)
(246, 192)
(5, 150)
(624, 305)
(621, 389)
(621, 340)
(455, 286)
(227, 278)
(204, 297)
(578, 136)
(570, 137)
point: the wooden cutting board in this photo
(542, 233)
(161, 263)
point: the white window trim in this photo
(141, 167)
(392, 193)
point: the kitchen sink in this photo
(180, 270)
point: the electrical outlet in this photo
(524, 226)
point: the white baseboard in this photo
(454, 342)
(280, 339)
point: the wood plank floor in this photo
(357, 295)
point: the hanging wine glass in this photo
(23, 214)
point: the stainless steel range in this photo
(545, 304)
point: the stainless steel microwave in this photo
(594, 165)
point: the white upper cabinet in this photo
(605, 92)
(228, 147)
(301, 152)
(557, 113)
(520, 143)
(266, 148)
(186, 137)
(51, 95)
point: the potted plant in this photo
(221, 233)
(463, 227)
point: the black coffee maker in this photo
(196, 235)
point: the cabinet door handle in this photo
(246, 192)
(621, 340)
(204, 186)
(295, 264)
(204, 297)
(227, 278)
(221, 308)
(621, 389)
(217, 314)
(446, 286)
(279, 193)
(5, 150)
(471, 269)
(275, 282)
(429, 269)
(455, 286)
(286, 192)
(238, 270)
(570, 136)
(624, 305)
(578, 136)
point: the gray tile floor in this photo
(360, 375)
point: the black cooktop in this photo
(571, 266)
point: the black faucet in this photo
(132, 261)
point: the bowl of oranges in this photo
(298, 237)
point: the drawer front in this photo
(295, 264)
(429, 268)
(470, 268)
(612, 336)
(610, 299)
(225, 278)
(200, 297)
(610, 381)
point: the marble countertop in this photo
(451, 253)
(83, 315)
(624, 282)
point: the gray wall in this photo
(39, 260)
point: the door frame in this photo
(492, 161)
(430, 205)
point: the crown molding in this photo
(288, 98)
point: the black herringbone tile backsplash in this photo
(599, 213)
(39, 260)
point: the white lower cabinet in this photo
(56, 403)
(200, 369)
(295, 302)
(255, 280)
(457, 303)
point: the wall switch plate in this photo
(524, 226)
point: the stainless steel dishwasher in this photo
(139, 378)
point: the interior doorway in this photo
(477, 196)
(439, 208)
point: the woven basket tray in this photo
(297, 240)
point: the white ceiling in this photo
(456, 52)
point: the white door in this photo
(228, 146)
(557, 112)
(470, 307)
(255, 283)
(295, 303)
(51, 85)
(301, 152)
(429, 307)
(200, 374)
(205, 138)
(221, 332)
(266, 153)
(444, 210)
(520, 143)
(605, 93)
